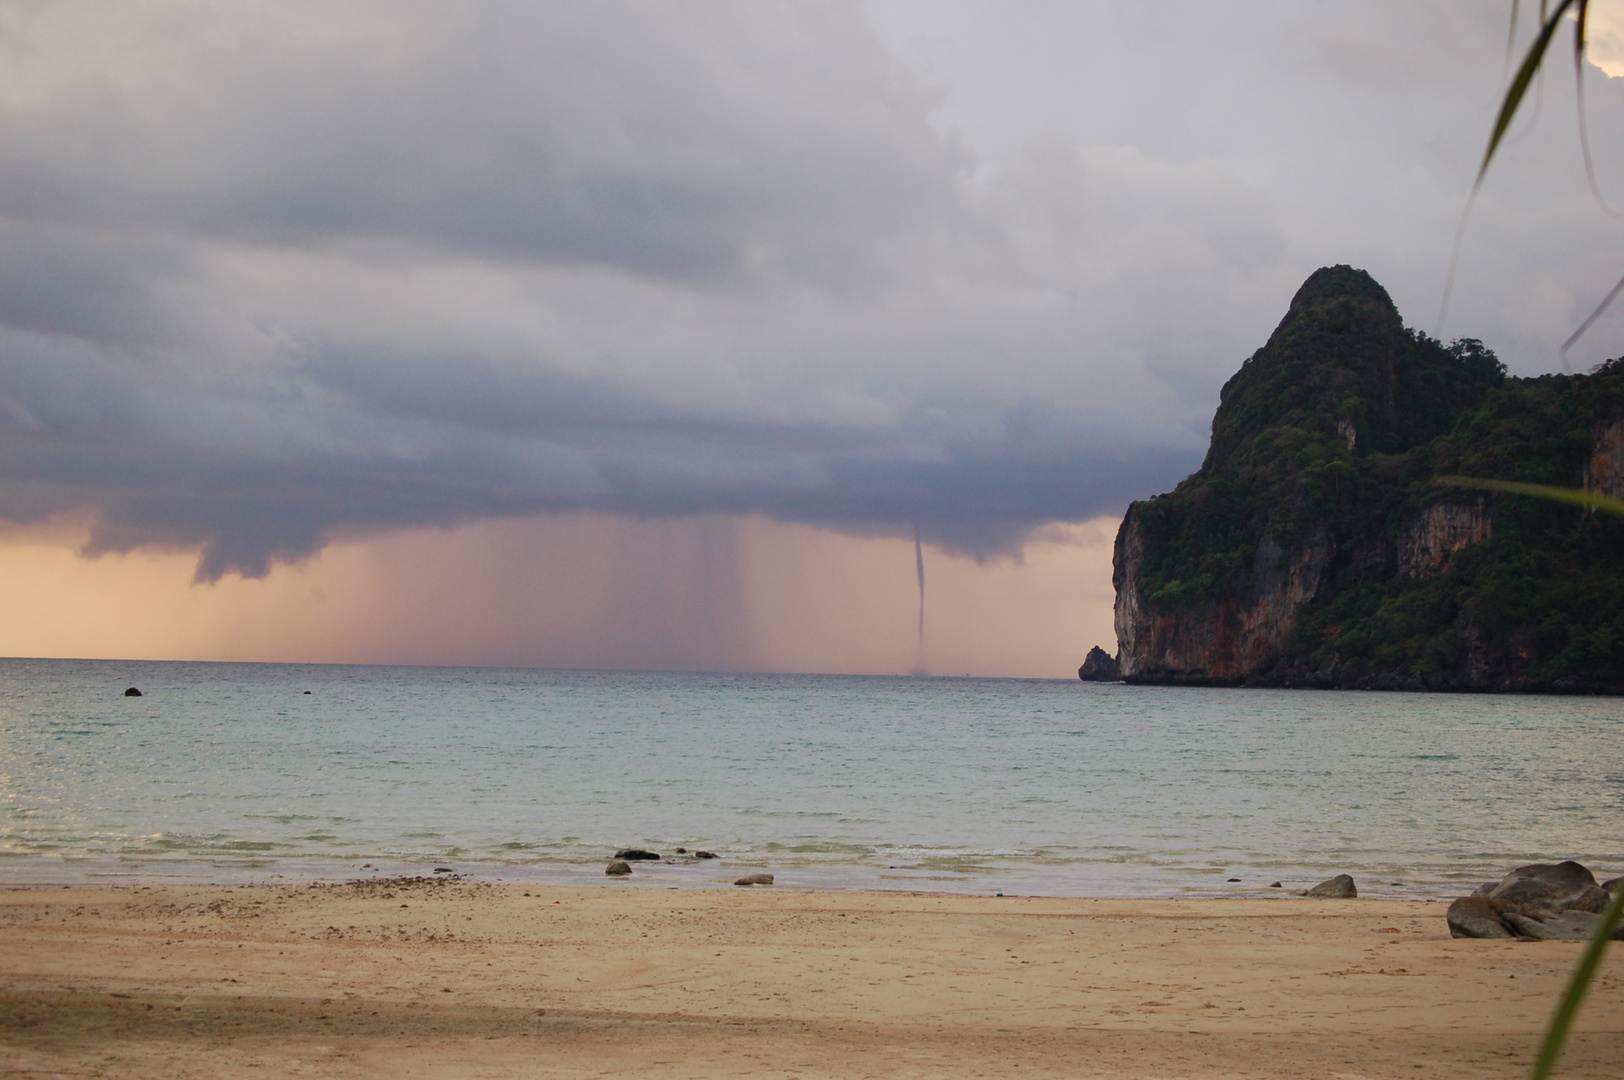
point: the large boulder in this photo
(637, 855)
(1538, 902)
(1565, 926)
(1564, 886)
(1477, 917)
(1099, 666)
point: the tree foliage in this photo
(1341, 431)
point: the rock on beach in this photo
(755, 879)
(618, 868)
(1340, 887)
(1538, 902)
(1476, 917)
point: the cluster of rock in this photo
(1540, 902)
(621, 864)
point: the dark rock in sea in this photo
(1234, 879)
(132, 692)
(444, 870)
(1538, 902)
(307, 691)
(1274, 885)
(704, 854)
(1338, 888)
(638, 855)
(618, 868)
(755, 879)
(682, 851)
(1099, 666)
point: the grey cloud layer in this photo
(275, 274)
(685, 141)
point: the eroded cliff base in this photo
(1344, 677)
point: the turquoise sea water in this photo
(230, 772)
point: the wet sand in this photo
(458, 979)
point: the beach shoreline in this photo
(433, 977)
(1124, 879)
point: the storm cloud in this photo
(276, 274)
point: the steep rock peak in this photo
(1343, 282)
(1341, 366)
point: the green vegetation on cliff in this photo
(1336, 433)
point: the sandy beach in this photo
(460, 979)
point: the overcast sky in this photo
(276, 274)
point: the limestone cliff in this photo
(1223, 639)
(1430, 541)
(1604, 472)
(1322, 542)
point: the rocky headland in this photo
(1328, 539)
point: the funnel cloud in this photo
(920, 667)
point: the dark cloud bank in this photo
(273, 275)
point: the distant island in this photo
(1321, 545)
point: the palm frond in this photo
(1590, 500)
(1530, 67)
(1606, 302)
(1527, 74)
(1556, 1035)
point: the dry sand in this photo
(456, 979)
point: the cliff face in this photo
(1429, 543)
(1319, 545)
(1604, 473)
(1217, 641)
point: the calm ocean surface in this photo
(230, 772)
